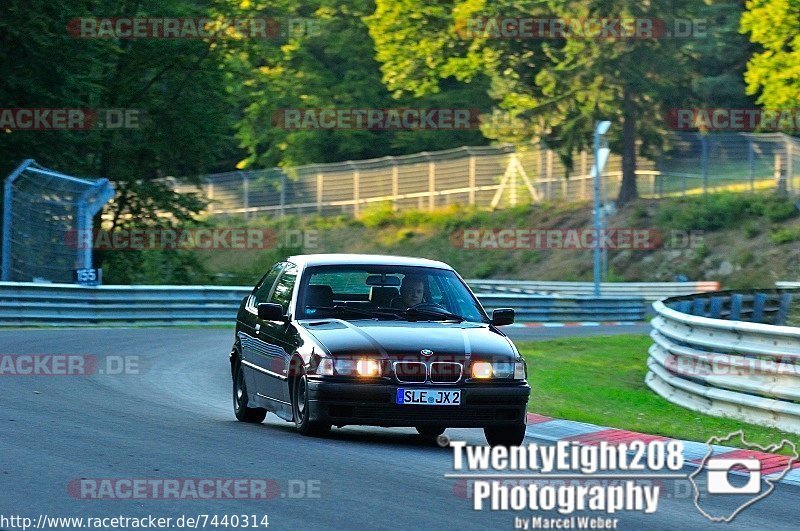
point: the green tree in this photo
(554, 89)
(331, 66)
(175, 87)
(774, 73)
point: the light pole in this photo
(600, 159)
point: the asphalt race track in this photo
(174, 420)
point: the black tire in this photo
(505, 435)
(430, 432)
(243, 413)
(301, 411)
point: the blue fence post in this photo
(699, 307)
(716, 307)
(783, 309)
(736, 307)
(759, 301)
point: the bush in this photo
(723, 210)
(787, 235)
(780, 209)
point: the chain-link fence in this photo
(503, 176)
(43, 211)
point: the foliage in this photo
(723, 210)
(774, 73)
(556, 88)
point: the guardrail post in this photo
(759, 301)
(736, 307)
(783, 309)
(716, 307)
(699, 307)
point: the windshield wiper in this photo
(442, 314)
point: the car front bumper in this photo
(373, 404)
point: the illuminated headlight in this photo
(504, 370)
(368, 368)
(482, 369)
(364, 367)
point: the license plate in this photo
(429, 397)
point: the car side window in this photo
(283, 289)
(261, 293)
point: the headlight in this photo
(368, 368)
(364, 367)
(482, 369)
(504, 370)
(325, 367)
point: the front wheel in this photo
(240, 409)
(302, 412)
(505, 435)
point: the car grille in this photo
(419, 372)
(410, 371)
(445, 372)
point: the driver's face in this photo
(412, 293)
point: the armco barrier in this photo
(730, 354)
(787, 284)
(63, 304)
(650, 291)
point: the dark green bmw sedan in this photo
(339, 339)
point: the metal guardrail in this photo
(730, 354)
(650, 291)
(24, 304)
(787, 284)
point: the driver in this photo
(412, 292)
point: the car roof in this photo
(364, 259)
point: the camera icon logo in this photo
(753, 481)
(719, 483)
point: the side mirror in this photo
(502, 316)
(269, 311)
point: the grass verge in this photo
(600, 380)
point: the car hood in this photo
(403, 339)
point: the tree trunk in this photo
(627, 189)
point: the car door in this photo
(249, 328)
(274, 336)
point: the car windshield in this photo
(387, 292)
